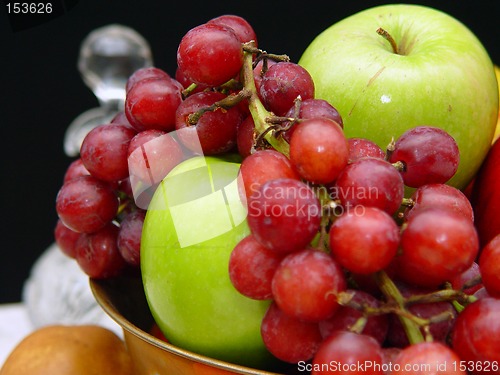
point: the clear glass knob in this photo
(108, 56)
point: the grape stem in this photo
(259, 114)
(226, 103)
(391, 292)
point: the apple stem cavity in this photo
(385, 34)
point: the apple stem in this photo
(389, 38)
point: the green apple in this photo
(440, 75)
(193, 222)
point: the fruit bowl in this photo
(124, 301)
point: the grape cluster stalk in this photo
(356, 271)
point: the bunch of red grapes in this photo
(357, 273)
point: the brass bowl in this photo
(123, 299)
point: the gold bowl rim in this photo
(100, 287)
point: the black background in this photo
(41, 91)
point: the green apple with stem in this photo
(193, 222)
(393, 67)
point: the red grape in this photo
(489, 264)
(86, 204)
(263, 166)
(252, 267)
(215, 131)
(319, 150)
(348, 353)
(284, 215)
(345, 317)
(364, 242)
(259, 71)
(370, 182)
(428, 358)
(151, 155)
(151, 104)
(143, 74)
(471, 274)
(287, 338)
(185, 81)
(437, 245)
(75, 169)
(245, 136)
(282, 84)
(97, 253)
(362, 147)
(239, 25)
(104, 151)
(306, 283)
(210, 54)
(430, 155)
(476, 335)
(129, 236)
(66, 239)
(312, 108)
(440, 195)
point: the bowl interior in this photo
(123, 299)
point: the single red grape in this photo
(364, 242)
(287, 338)
(311, 108)
(284, 215)
(210, 54)
(151, 155)
(252, 267)
(75, 169)
(437, 245)
(215, 131)
(282, 84)
(263, 166)
(143, 74)
(306, 283)
(428, 358)
(151, 104)
(129, 237)
(66, 239)
(362, 147)
(370, 182)
(319, 150)
(104, 151)
(348, 353)
(239, 25)
(489, 265)
(97, 253)
(86, 204)
(245, 136)
(430, 155)
(440, 195)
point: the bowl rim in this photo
(102, 298)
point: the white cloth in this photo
(56, 292)
(14, 326)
